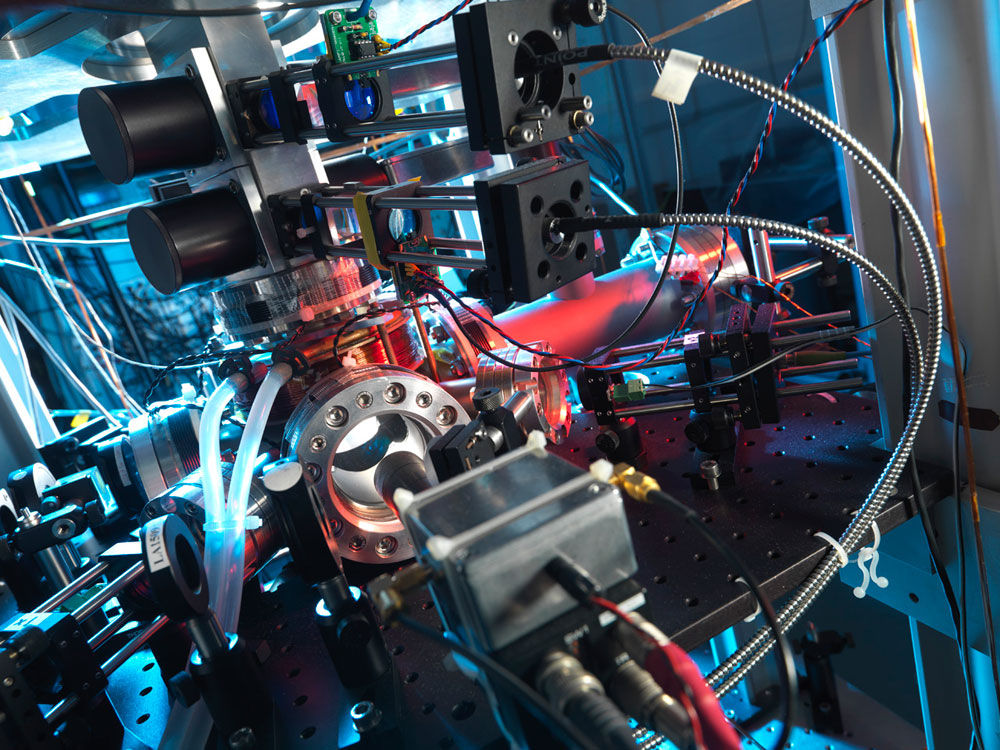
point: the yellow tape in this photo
(367, 231)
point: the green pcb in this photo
(347, 41)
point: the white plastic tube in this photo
(216, 560)
(225, 579)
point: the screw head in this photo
(358, 543)
(63, 529)
(234, 187)
(445, 416)
(313, 472)
(336, 416)
(386, 546)
(317, 443)
(242, 739)
(557, 33)
(424, 400)
(337, 16)
(189, 71)
(220, 153)
(365, 716)
(513, 38)
(393, 393)
(8, 681)
(364, 399)
(372, 14)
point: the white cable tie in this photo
(841, 553)
(679, 72)
(750, 618)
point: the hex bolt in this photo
(386, 546)
(365, 716)
(336, 416)
(513, 38)
(710, 472)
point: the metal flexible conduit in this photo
(733, 669)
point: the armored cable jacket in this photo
(733, 669)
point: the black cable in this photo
(786, 664)
(239, 10)
(958, 610)
(535, 704)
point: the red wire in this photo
(682, 696)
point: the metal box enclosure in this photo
(490, 532)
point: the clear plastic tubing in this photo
(225, 579)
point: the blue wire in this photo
(361, 12)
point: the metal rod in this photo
(847, 384)
(800, 370)
(804, 389)
(627, 351)
(418, 320)
(446, 190)
(55, 714)
(122, 655)
(428, 204)
(786, 244)
(77, 585)
(828, 335)
(436, 52)
(423, 121)
(760, 253)
(383, 335)
(799, 270)
(454, 243)
(94, 603)
(814, 321)
(99, 638)
(420, 259)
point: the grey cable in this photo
(733, 669)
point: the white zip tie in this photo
(841, 553)
(750, 618)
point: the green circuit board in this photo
(347, 41)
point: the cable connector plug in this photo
(634, 483)
(387, 591)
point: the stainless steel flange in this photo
(347, 424)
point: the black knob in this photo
(487, 399)
(607, 441)
(183, 689)
(145, 127)
(191, 239)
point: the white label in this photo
(679, 72)
(156, 552)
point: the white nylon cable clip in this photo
(869, 574)
(750, 618)
(841, 553)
